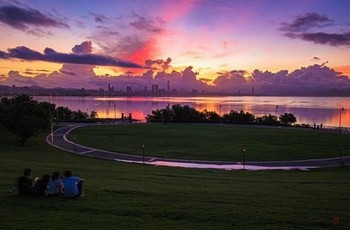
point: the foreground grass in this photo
(128, 196)
(215, 142)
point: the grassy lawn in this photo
(215, 142)
(128, 196)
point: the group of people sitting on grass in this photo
(69, 186)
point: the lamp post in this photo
(276, 110)
(244, 150)
(340, 112)
(115, 117)
(75, 148)
(220, 110)
(143, 154)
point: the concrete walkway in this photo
(59, 140)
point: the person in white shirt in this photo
(73, 185)
(55, 186)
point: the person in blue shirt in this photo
(73, 185)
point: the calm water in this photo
(310, 110)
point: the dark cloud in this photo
(30, 73)
(205, 79)
(323, 38)
(67, 72)
(301, 26)
(151, 24)
(39, 32)
(23, 18)
(306, 22)
(51, 55)
(158, 64)
(83, 48)
(316, 59)
(99, 18)
(3, 55)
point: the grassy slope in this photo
(214, 142)
(127, 196)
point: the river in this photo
(310, 110)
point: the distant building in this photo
(155, 88)
(128, 89)
(110, 89)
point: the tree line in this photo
(178, 113)
(26, 117)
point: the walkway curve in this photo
(59, 140)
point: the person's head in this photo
(68, 173)
(55, 176)
(45, 178)
(27, 172)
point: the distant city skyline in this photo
(278, 47)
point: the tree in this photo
(267, 120)
(239, 117)
(287, 119)
(63, 113)
(93, 114)
(211, 116)
(25, 117)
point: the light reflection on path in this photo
(237, 166)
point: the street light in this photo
(143, 154)
(51, 131)
(244, 150)
(340, 156)
(340, 112)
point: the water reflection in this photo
(308, 110)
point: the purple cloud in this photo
(51, 55)
(22, 18)
(311, 80)
(151, 24)
(3, 55)
(300, 27)
(306, 22)
(83, 48)
(323, 38)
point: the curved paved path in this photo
(59, 140)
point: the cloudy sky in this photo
(228, 44)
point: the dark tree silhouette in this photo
(287, 119)
(25, 117)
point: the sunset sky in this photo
(115, 38)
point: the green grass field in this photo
(129, 196)
(215, 142)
